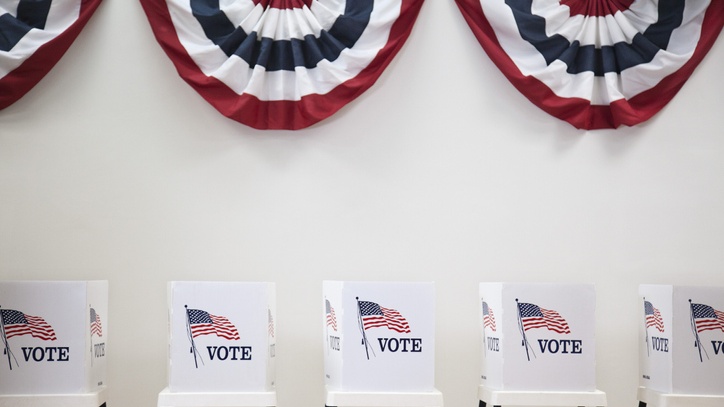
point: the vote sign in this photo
(681, 339)
(53, 336)
(379, 337)
(538, 337)
(222, 337)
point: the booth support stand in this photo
(95, 399)
(382, 399)
(504, 398)
(651, 398)
(247, 399)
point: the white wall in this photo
(113, 168)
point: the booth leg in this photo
(642, 404)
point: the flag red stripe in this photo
(220, 326)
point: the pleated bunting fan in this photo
(281, 64)
(596, 63)
(34, 35)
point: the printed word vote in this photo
(229, 352)
(334, 342)
(493, 344)
(718, 350)
(47, 354)
(574, 346)
(400, 344)
(660, 344)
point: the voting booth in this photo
(680, 345)
(538, 345)
(221, 345)
(379, 344)
(54, 336)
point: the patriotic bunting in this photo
(34, 35)
(281, 64)
(596, 63)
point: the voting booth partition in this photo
(681, 357)
(538, 345)
(54, 336)
(221, 345)
(379, 344)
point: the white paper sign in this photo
(681, 336)
(222, 336)
(54, 336)
(379, 337)
(538, 337)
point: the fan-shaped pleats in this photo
(281, 64)
(596, 63)
(34, 35)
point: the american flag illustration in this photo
(96, 328)
(203, 323)
(707, 318)
(271, 323)
(331, 317)
(373, 316)
(17, 323)
(653, 316)
(533, 316)
(488, 317)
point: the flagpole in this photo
(695, 330)
(191, 337)
(5, 340)
(522, 330)
(362, 328)
(648, 351)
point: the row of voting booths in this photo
(537, 345)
